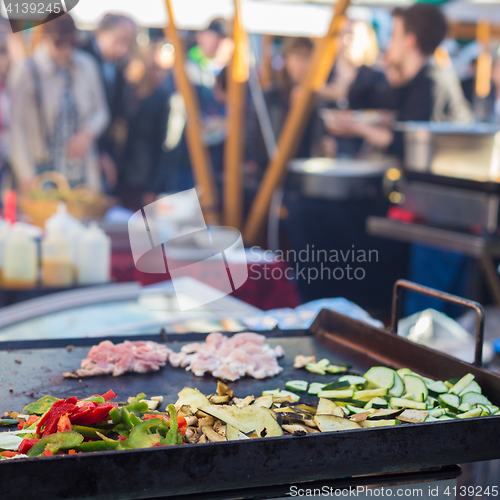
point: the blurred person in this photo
(5, 106)
(58, 110)
(484, 107)
(297, 58)
(201, 65)
(146, 126)
(112, 43)
(422, 92)
(495, 76)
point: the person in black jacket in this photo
(147, 125)
(113, 40)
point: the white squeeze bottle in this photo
(72, 229)
(5, 229)
(20, 264)
(57, 263)
(94, 259)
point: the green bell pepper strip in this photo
(126, 418)
(96, 446)
(139, 396)
(138, 407)
(88, 432)
(8, 421)
(95, 399)
(115, 416)
(56, 442)
(41, 406)
(173, 435)
(141, 437)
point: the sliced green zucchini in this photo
(378, 423)
(430, 418)
(431, 402)
(449, 401)
(472, 387)
(476, 412)
(437, 412)
(355, 409)
(370, 394)
(485, 410)
(398, 389)
(315, 387)
(437, 387)
(323, 363)
(333, 386)
(445, 417)
(328, 423)
(296, 385)
(315, 368)
(464, 407)
(380, 376)
(462, 384)
(353, 379)
(406, 403)
(346, 394)
(415, 385)
(379, 403)
(336, 369)
(475, 399)
(277, 393)
(404, 371)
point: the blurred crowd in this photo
(103, 109)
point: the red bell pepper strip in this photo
(47, 453)
(26, 445)
(100, 412)
(82, 407)
(109, 395)
(51, 419)
(9, 454)
(64, 424)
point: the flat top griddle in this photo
(198, 469)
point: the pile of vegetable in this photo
(383, 388)
(381, 397)
(52, 426)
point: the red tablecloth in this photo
(258, 291)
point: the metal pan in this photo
(202, 468)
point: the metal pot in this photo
(466, 151)
(338, 179)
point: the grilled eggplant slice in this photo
(247, 419)
(233, 434)
(378, 423)
(218, 400)
(327, 407)
(299, 429)
(413, 416)
(192, 398)
(264, 401)
(386, 414)
(327, 423)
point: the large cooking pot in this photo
(338, 179)
(465, 151)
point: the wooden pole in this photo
(266, 67)
(484, 61)
(198, 152)
(237, 79)
(323, 57)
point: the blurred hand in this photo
(344, 125)
(79, 145)
(109, 170)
